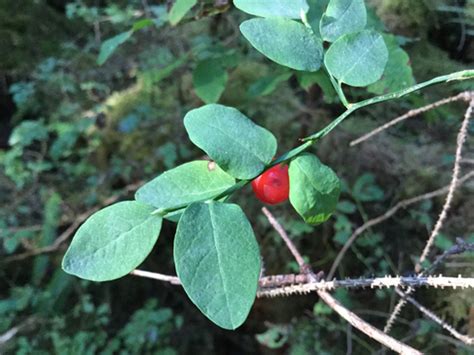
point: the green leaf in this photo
(209, 79)
(346, 207)
(180, 9)
(274, 337)
(218, 261)
(398, 73)
(146, 22)
(27, 132)
(109, 46)
(343, 17)
(191, 182)
(267, 84)
(51, 219)
(112, 242)
(286, 42)
(153, 76)
(315, 13)
(234, 142)
(320, 78)
(314, 189)
(273, 8)
(366, 190)
(443, 242)
(357, 59)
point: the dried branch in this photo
(290, 284)
(365, 327)
(452, 187)
(387, 215)
(464, 96)
(464, 338)
(174, 280)
(349, 316)
(443, 215)
(291, 247)
(459, 248)
(379, 282)
(11, 333)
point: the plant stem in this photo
(338, 88)
(351, 108)
(461, 75)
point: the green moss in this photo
(407, 17)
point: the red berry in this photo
(273, 186)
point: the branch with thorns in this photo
(461, 139)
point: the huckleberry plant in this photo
(216, 255)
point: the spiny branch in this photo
(443, 215)
(289, 284)
(461, 139)
(349, 316)
(387, 215)
(464, 338)
(379, 282)
(459, 248)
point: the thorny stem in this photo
(388, 214)
(464, 338)
(291, 284)
(442, 217)
(461, 139)
(349, 316)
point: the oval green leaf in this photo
(273, 8)
(286, 42)
(112, 242)
(234, 142)
(218, 261)
(179, 10)
(343, 17)
(314, 189)
(110, 45)
(191, 182)
(209, 80)
(398, 73)
(357, 59)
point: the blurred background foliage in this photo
(73, 133)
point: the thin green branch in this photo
(351, 108)
(337, 86)
(462, 75)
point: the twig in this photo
(365, 327)
(459, 248)
(291, 247)
(464, 338)
(349, 316)
(442, 217)
(387, 215)
(174, 280)
(465, 96)
(380, 282)
(280, 285)
(452, 187)
(11, 333)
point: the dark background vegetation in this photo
(73, 133)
